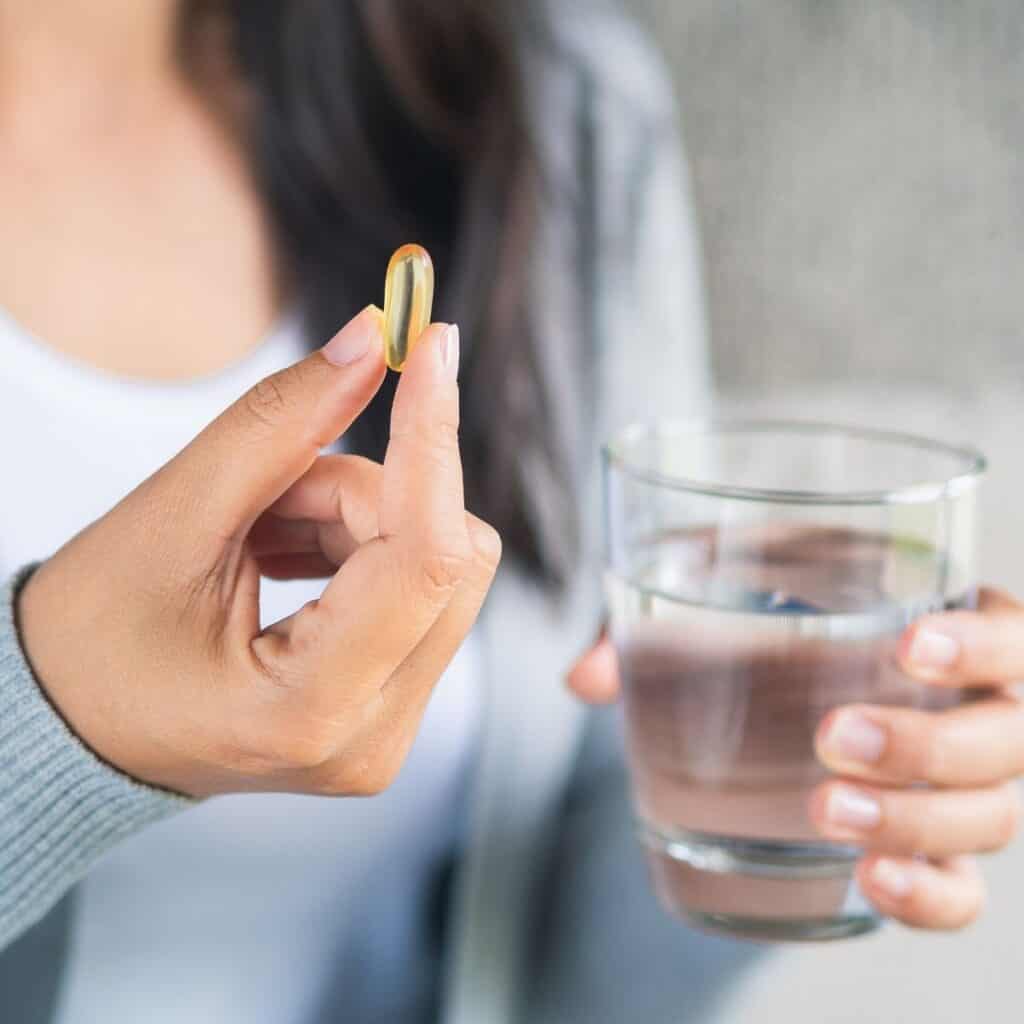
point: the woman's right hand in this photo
(144, 630)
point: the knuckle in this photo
(487, 545)
(366, 776)
(303, 748)
(267, 400)
(440, 572)
(304, 753)
(277, 742)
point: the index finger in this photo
(388, 595)
(422, 497)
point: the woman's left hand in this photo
(919, 790)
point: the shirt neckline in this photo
(43, 361)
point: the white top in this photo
(236, 910)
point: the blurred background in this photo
(860, 191)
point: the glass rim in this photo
(973, 461)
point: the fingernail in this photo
(852, 737)
(355, 339)
(931, 649)
(851, 808)
(893, 879)
(450, 351)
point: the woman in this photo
(189, 177)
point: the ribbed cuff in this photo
(61, 807)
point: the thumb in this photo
(595, 677)
(258, 447)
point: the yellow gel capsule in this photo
(408, 302)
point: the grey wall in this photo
(860, 184)
(858, 170)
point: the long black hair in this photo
(372, 123)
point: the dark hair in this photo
(378, 122)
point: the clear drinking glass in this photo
(759, 575)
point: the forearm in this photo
(61, 807)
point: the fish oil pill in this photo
(408, 302)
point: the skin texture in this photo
(102, 137)
(124, 191)
(144, 629)
(971, 756)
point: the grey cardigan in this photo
(605, 125)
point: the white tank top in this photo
(234, 912)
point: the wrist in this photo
(59, 654)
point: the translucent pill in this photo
(408, 302)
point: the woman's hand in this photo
(144, 630)
(969, 757)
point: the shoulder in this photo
(604, 110)
(619, 231)
(599, 45)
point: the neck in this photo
(85, 46)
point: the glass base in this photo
(759, 929)
(759, 889)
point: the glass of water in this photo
(759, 575)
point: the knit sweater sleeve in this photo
(61, 807)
